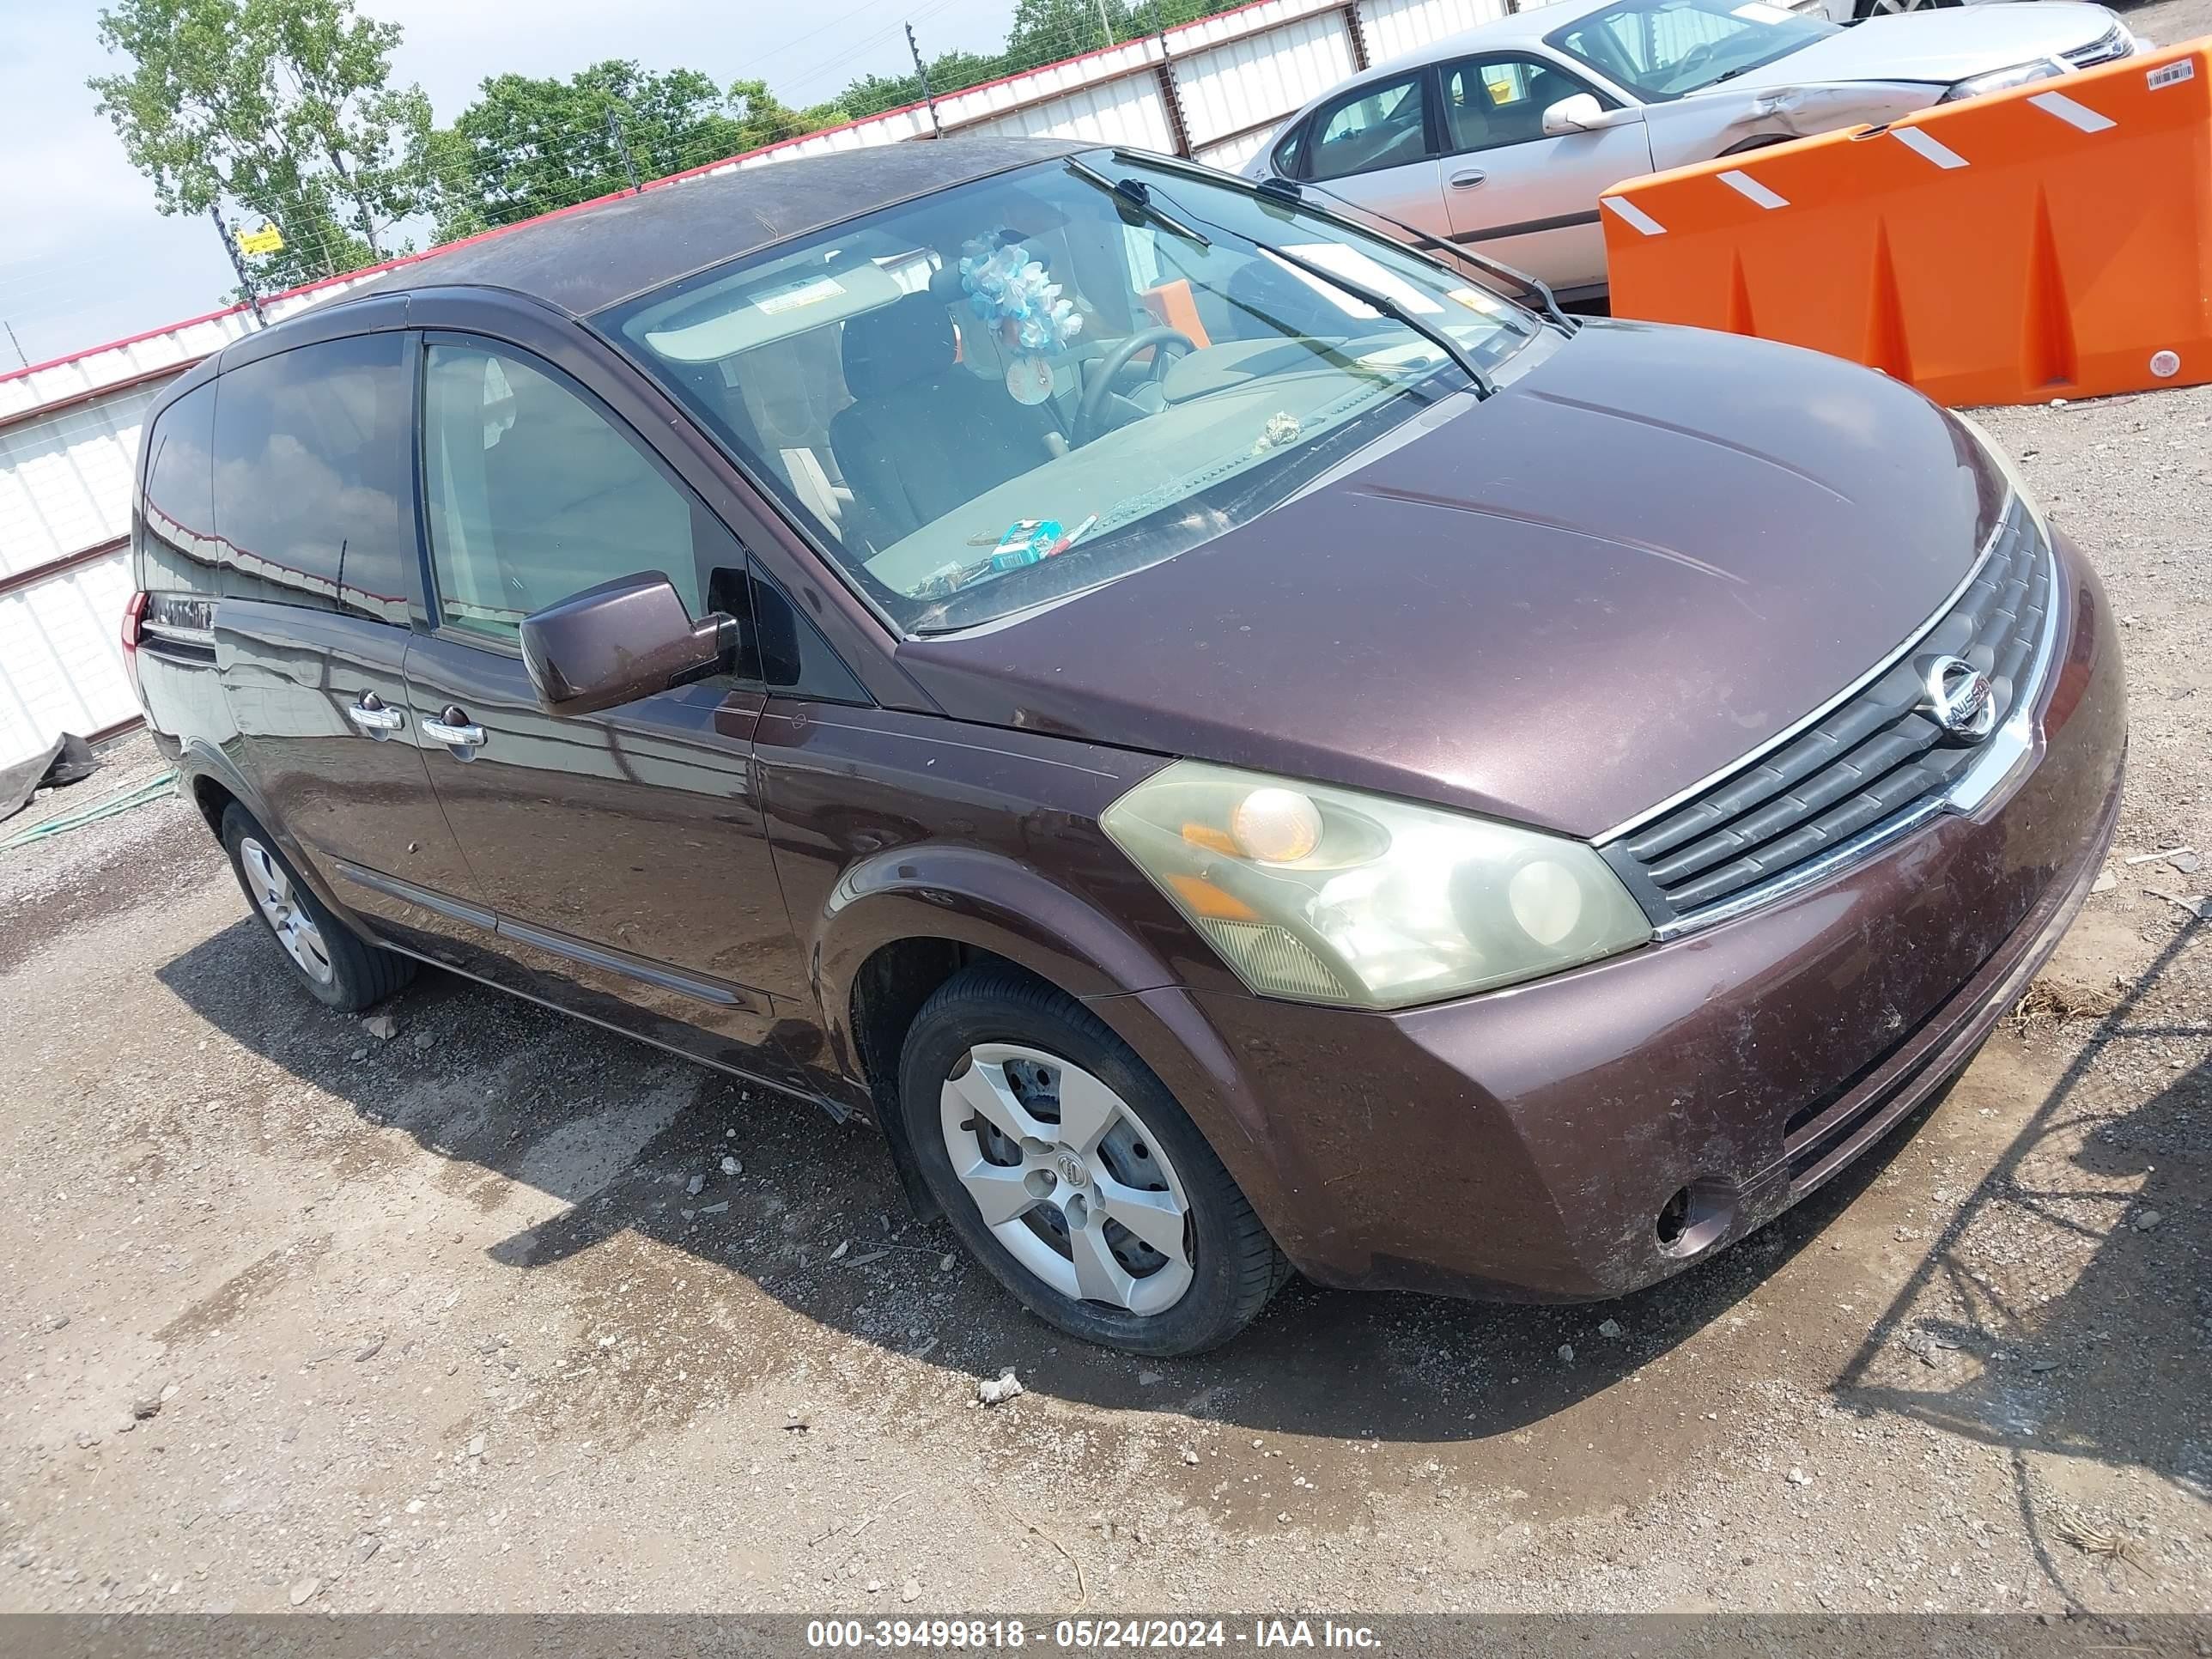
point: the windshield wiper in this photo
(1375, 298)
(1133, 193)
(1371, 297)
(1291, 192)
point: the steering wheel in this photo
(1694, 59)
(1111, 365)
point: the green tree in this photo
(528, 145)
(1047, 30)
(283, 107)
(949, 72)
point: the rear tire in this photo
(339, 969)
(1100, 1140)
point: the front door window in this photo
(533, 495)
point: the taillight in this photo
(134, 628)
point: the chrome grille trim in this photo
(1628, 826)
(2007, 749)
(2114, 44)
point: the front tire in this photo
(1069, 1171)
(339, 968)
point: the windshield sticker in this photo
(1028, 379)
(1755, 12)
(792, 295)
(1353, 265)
(1475, 300)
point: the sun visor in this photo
(783, 304)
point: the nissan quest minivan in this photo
(1239, 746)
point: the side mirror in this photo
(1579, 113)
(619, 641)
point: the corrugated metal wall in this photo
(61, 657)
(1234, 93)
(69, 430)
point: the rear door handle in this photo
(1468, 180)
(457, 731)
(373, 717)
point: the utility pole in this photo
(922, 70)
(614, 138)
(1105, 22)
(237, 262)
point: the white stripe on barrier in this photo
(1933, 148)
(1744, 185)
(1635, 215)
(2074, 114)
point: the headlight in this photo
(2043, 68)
(1323, 895)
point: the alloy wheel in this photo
(280, 908)
(1068, 1178)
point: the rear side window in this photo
(313, 496)
(176, 520)
(1381, 127)
(532, 495)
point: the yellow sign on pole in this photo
(263, 241)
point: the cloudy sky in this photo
(85, 259)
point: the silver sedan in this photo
(1501, 138)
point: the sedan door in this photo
(1517, 195)
(623, 852)
(1376, 146)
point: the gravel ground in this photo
(295, 1317)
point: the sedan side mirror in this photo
(619, 641)
(1580, 113)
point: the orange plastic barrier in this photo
(2051, 240)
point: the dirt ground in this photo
(294, 1316)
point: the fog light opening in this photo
(1694, 1219)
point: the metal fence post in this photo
(1355, 23)
(237, 263)
(1171, 94)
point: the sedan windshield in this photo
(1660, 48)
(1023, 387)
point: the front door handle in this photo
(370, 714)
(457, 731)
(1468, 180)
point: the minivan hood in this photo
(1638, 561)
(1936, 47)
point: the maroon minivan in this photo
(1239, 746)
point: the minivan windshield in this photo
(1024, 385)
(1660, 48)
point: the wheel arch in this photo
(213, 783)
(902, 923)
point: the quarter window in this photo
(1493, 101)
(1382, 127)
(176, 523)
(532, 494)
(312, 500)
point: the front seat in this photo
(923, 435)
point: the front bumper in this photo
(1524, 1144)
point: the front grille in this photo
(2113, 43)
(1870, 758)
